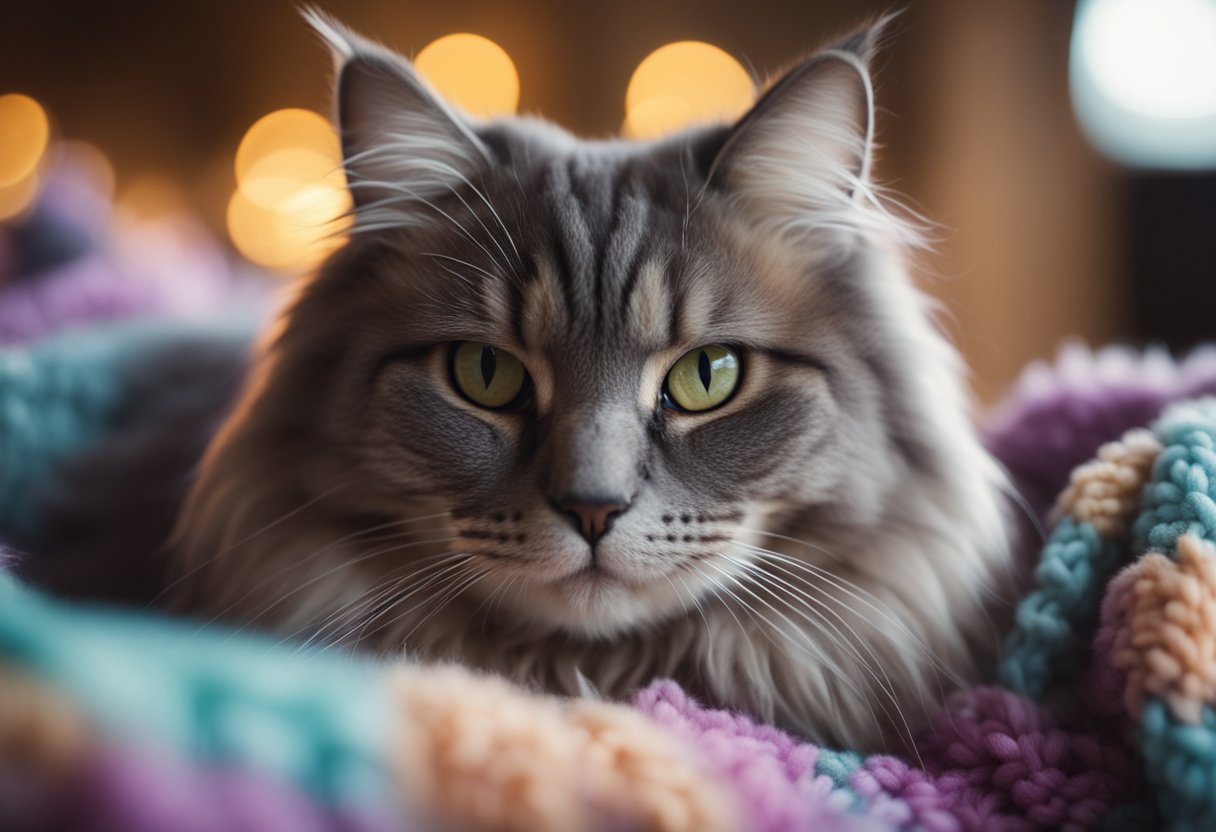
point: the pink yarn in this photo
(927, 806)
(773, 773)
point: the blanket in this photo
(1099, 716)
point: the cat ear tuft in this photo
(402, 144)
(801, 156)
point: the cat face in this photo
(596, 476)
(536, 320)
(557, 402)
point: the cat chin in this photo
(593, 604)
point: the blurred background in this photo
(1067, 150)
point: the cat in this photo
(587, 413)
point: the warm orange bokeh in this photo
(290, 205)
(685, 83)
(472, 72)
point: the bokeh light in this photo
(287, 129)
(290, 207)
(295, 234)
(1143, 78)
(473, 72)
(685, 83)
(657, 117)
(1155, 57)
(24, 130)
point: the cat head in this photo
(599, 372)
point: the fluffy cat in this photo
(588, 413)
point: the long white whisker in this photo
(828, 661)
(454, 564)
(827, 690)
(452, 594)
(856, 592)
(455, 571)
(806, 543)
(699, 608)
(345, 563)
(445, 167)
(407, 195)
(394, 581)
(820, 608)
(473, 266)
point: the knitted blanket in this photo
(1100, 717)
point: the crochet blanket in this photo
(1100, 717)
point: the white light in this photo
(1156, 57)
(1144, 79)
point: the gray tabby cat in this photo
(588, 413)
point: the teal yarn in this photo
(1181, 499)
(838, 765)
(319, 720)
(1181, 762)
(1055, 622)
(1052, 623)
(1180, 757)
(55, 396)
(60, 394)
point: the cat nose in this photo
(594, 516)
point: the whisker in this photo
(856, 592)
(407, 195)
(696, 605)
(452, 594)
(454, 565)
(786, 537)
(827, 691)
(820, 608)
(283, 518)
(343, 564)
(824, 657)
(393, 582)
(472, 266)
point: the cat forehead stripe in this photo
(600, 235)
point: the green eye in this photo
(702, 379)
(486, 375)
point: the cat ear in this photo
(801, 156)
(402, 145)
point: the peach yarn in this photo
(478, 752)
(1105, 492)
(1168, 646)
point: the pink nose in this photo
(594, 516)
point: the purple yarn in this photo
(138, 790)
(772, 772)
(175, 273)
(1106, 683)
(126, 269)
(992, 760)
(1001, 761)
(1057, 416)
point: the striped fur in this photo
(821, 550)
